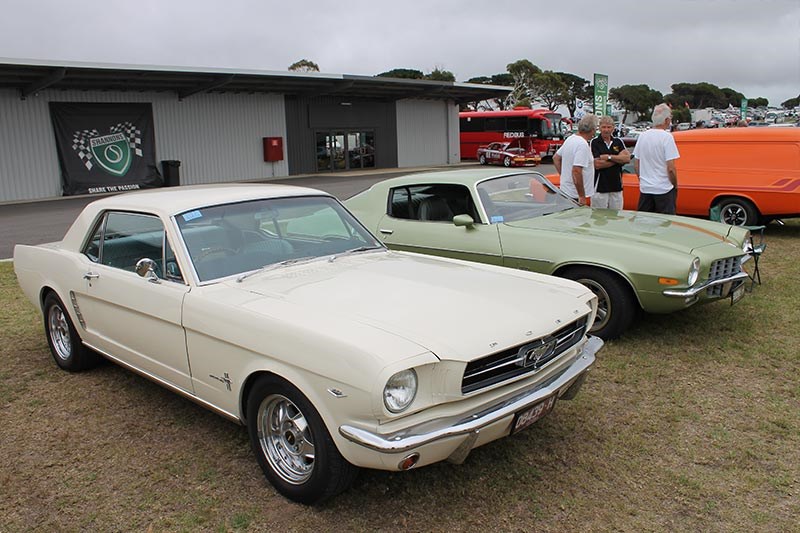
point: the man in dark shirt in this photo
(609, 154)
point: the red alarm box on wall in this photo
(273, 148)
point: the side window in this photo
(431, 203)
(400, 204)
(129, 237)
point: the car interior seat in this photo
(435, 208)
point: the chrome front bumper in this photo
(697, 289)
(566, 385)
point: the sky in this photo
(752, 46)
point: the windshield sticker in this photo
(191, 216)
(496, 219)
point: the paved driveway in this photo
(47, 221)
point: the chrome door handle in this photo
(386, 231)
(91, 275)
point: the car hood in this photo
(457, 310)
(681, 234)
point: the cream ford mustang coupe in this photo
(274, 307)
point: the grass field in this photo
(690, 422)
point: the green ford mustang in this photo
(517, 218)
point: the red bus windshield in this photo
(479, 128)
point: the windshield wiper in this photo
(354, 251)
(273, 266)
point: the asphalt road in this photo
(48, 220)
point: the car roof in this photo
(461, 176)
(167, 202)
(739, 134)
(173, 200)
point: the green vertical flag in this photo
(600, 93)
(744, 108)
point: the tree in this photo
(577, 89)
(550, 89)
(791, 102)
(639, 99)
(681, 114)
(734, 97)
(523, 73)
(405, 73)
(504, 79)
(440, 75)
(758, 102)
(698, 95)
(304, 65)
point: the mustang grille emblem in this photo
(533, 354)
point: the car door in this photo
(494, 152)
(410, 226)
(129, 317)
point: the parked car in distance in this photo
(517, 153)
(518, 219)
(274, 307)
(751, 175)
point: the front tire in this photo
(738, 212)
(65, 344)
(292, 444)
(507, 161)
(616, 304)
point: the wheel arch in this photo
(564, 267)
(722, 197)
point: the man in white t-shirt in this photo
(575, 163)
(655, 154)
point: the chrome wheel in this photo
(734, 214)
(286, 439)
(603, 303)
(58, 328)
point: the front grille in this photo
(722, 268)
(519, 360)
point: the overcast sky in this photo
(752, 46)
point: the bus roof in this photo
(508, 113)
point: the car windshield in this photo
(233, 239)
(521, 196)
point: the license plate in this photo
(737, 294)
(533, 413)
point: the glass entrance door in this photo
(339, 150)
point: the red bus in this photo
(479, 128)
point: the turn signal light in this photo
(668, 281)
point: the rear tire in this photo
(482, 159)
(616, 304)
(65, 344)
(292, 444)
(738, 212)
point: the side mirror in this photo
(146, 268)
(463, 220)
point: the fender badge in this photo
(226, 379)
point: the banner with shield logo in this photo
(105, 147)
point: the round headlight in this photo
(694, 271)
(400, 390)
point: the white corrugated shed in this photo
(217, 137)
(427, 133)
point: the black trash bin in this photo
(172, 173)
